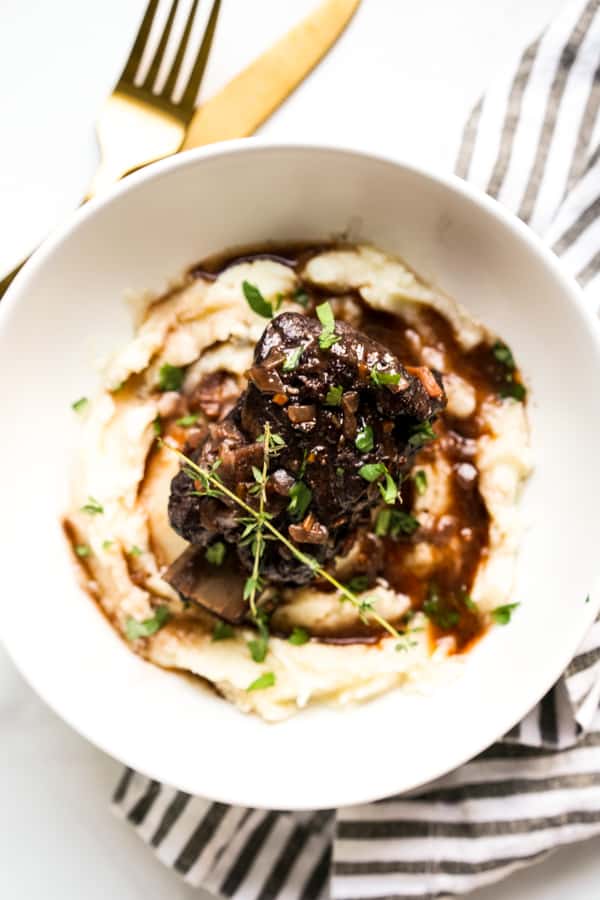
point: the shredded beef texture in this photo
(334, 417)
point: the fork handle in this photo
(104, 177)
(130, 136)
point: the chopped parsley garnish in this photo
(298, 636)
(157, 426)
(258, 649)
(339, 472)
(364, 439)
(266, 680)
(375, 471)
(420, 481)
(92, 507)
(135, 551)
(303, 464)
(380, 378)
(301, 297)
(135, 629)
(358, 583)
(300, 497)
(328, 337)
(504, 355)
(502, 614)
(82, 550)
(388, 489)
(222, 631)
(394, 522)
(215, 554)
(106, 545)
(334, 395)
(80, 404)
(469, 602)
(328, 340)
(382, 524)
(513, 389)
(421, 434)
(509, 387)
(293, 358)
(187, 421)
(372, 471)
(256, 301)
(170, 378)
(438, 612)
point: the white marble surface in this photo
(404, 76)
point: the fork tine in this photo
(172, 76)
(188, 99)
(160, 50)
(137, 50)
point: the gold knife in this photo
(250, 98)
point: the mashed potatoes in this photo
(124, 541)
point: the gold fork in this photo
(138, 123)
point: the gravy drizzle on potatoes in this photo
(451, 575)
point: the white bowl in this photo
(67, 307)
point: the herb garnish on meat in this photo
(300, 497)
(292, 359)
(213, 486)
(334, 395)
(420, 481)
(394, 522)
(375, 471)
(382, 378)
(285, 479)
(328, 337)
(215, 553)
(421, 434)
(364, 439)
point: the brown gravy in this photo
(459, 539)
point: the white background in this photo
(402, 78)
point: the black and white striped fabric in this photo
(534, 143)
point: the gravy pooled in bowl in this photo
(301, 479)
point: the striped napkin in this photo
(533, 142)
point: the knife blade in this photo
(248, 99)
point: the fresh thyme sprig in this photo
(214, 486)
(254, 530)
